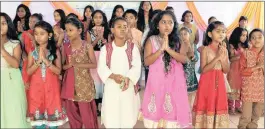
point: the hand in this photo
(41, 54)
(165, 39)
(19, 27)
(127, 82)
(220, 53)
(247, 70)
(118, 78)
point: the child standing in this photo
(252, 72)
(166, 83)
(98, 36)
(210, 106)
(186, 49)
(13, 98)
(78, 86)
(44, 67)
(238, 37)
(135, 36)
(119, 69)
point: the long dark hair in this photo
(104, 23)
(210, 28)
(78, 24)
(113, 16)
(235, 37)
(184, 14)
(17, 18)
(87, 7)
(140, 21)
(63, 18)
(11, 31)
(51, 42)
(172, 37)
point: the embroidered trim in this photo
(151, 105)
(167, 104)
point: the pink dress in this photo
(165, 103)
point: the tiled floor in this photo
(233, 120)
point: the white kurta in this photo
(119, 108)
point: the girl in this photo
(27, 40)
(161, 107)
(59, 17)
(87, 17)
(210, 106)
(21, 20)
(252, 72)
(117, 12)
(186, 49)
(238, 37)
(98, 35)
(44, 67)
(187, 19)
(78, 86)
(13, 99)
(145, 13)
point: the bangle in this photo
(49, 65)
(35, 63)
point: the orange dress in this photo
(210, 108)
(252, 86)
(44, 102)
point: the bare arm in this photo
(203, 62)
(57, 66)
(32, 67)
(149, 57)
(12, 60)
(92, 58)
(94, 42)
(197, 38)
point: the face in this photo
(243, 23)
(218, 34)
(41, 36)
(21, 12)
(184, 36)
(130, 18)
(243, 36)
(57, 17)
(32, 22)
(88, 13)
(98, 19)
(257, 39)
(166, 25)
(120, 29)
(119, 12)
(72, 31)
(146, 6)
(4, 26)
(188, 17)
(212, 20)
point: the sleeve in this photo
(243, 61)
(135, 71)
(103, 70)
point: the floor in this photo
(233, 120)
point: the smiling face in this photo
(21, 12)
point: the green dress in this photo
(13, 98)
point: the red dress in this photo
(44, 103)
(27, 38)
(210, 108)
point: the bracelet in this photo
(49, 65)
(35, 63)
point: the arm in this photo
(197, 37)
(92, 58)
(149, 57)
(57, 66)
(203, 62)
(177, 56)
(103, 70)
(135, 71)
(64, 56)
(32, 66)
(95, 41)
(12, 60)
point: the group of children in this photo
(65, 68)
